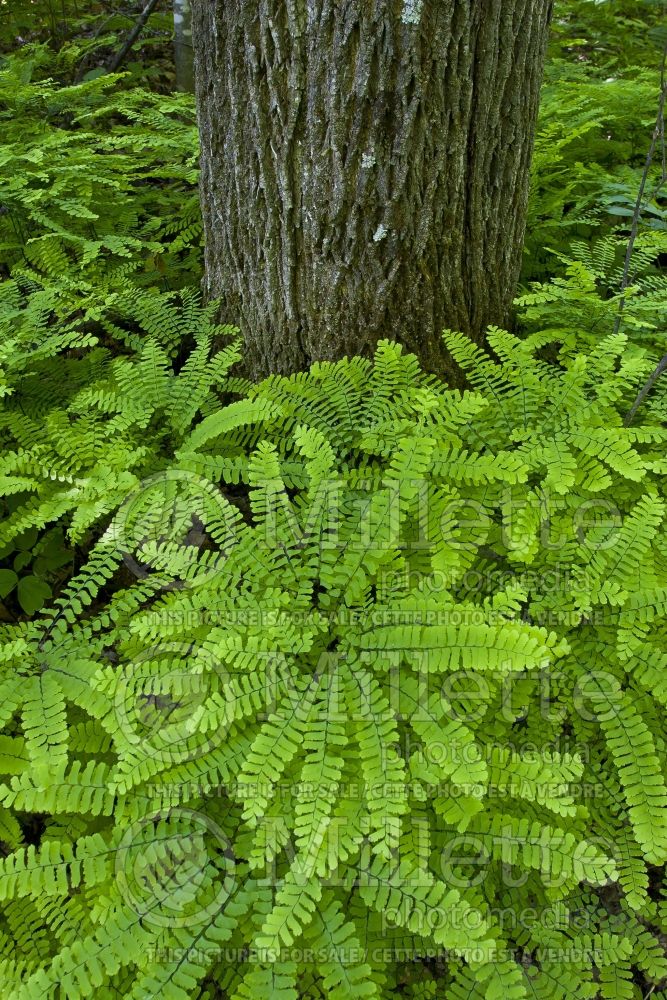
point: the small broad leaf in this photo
(22, 560)
(8, 580)
(32, 593)
(27, 539)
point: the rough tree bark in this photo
(365, 168)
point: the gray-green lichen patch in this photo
(412, 11)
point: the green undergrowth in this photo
(371, 670)
(347, 684)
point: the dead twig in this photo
(645, 389)
(139, 25)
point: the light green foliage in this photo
(391, 702)
(345, 685)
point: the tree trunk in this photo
(365, 169)
(183, 53)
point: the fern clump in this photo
(105, 348)
(369, 673)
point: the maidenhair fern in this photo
(345, 685)
(368, 669)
